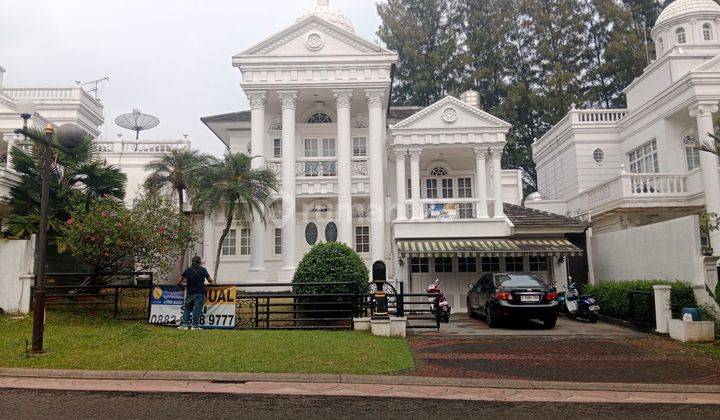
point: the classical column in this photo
(481, 182)
(400, 182)
(708, 162)
(343, 99)
(417, 210)
(256, 272)
(289, 228)
(497, 180)
(209, 241)
(375, 98)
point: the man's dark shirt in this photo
(195, 278)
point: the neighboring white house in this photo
(634, 172)
(421, 189)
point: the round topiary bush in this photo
(330, 263)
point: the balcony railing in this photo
(596, 116)
(53, 94)
(140, 146)
(319, 167)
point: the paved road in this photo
(55, 405)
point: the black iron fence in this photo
(641, 308)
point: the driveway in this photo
(462, 325)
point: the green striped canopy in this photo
(486, 247)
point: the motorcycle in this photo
(575, 306)
(438, 302)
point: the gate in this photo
(414, 306)
(641, 308)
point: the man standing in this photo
(195, 277)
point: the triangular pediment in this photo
(451, 113)
(298, 40)
(709, 66)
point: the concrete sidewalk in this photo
(355, 386)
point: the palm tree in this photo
(76, 176)
(231, 186)
(178, 170)
(710, 146)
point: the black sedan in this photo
(502, 296)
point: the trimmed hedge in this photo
(614, 301)
(330, 263)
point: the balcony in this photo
(638, 191)
(318, 176)
(140, 147)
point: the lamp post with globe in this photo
(68, 136)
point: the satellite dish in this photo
(137, 122)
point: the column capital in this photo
(375, 97)
(257, 99)
(481, 152)
(288, 99)
(703, 109)
(343, 97)
(497, 150)
(415, 153)
(400, 153)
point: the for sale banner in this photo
(167, 305)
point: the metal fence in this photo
(641, 308)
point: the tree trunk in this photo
(228, 225)
(183, 251)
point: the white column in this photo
(256, 272)
(289, 102)
(401, 185)
(375, 100)
(208, 242)
(481, 182)
(417, 210)
(708, 163)
(497, 181)
(343, 99)
(663, 313)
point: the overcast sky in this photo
(169, 58)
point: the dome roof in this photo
(330, 14)
(686, 7)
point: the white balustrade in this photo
(596, 116)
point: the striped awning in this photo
(486, 247)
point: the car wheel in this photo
(549, 321)
(490, 318)
(470, 311)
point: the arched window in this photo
(439, 171)
(707, 32)
(661, 46)
(692, 155)
(319, 118)
(275, 126)
(680, 34)
(360, 122)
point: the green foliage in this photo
(75, 177)
(231, 186)
(614, 301)
(110, 238)
(330, 263)
(178, 170)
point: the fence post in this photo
(663, 313)
(117, 296)
(400, 301)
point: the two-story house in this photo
(421, 189)
(635, 172)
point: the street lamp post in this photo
(69, 136)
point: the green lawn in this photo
(93, 342)
(712, 349)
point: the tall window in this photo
(420, 265)
(362, 238)
(447, 188)
(359, 146)
(409, 188)
(443, 265)
(278, 241)
(467, 264)
(707, 32)
(319, 118)
(490, 264)
(692, 155)
(432, 188)
(644, 159)
(328, 151)
(464, 188)
(277, 148)
(311, 150)
(244, 241)
(661, 45)
(680, 35)
(229, 245)
(514, 264)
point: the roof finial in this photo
(324, 3)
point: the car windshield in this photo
(516, 280)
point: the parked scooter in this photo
(438, 302)
(575, 306)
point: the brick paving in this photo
(643, 359)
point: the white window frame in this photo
(644, 159)
(707, 32)
(431, 188)
(465, 187)
(447, 188)
(359, 146)
(277, 148)
(229, 245)
(362, 239)
(244, 244)
(680, 36)
(692, 155)
(278, 241)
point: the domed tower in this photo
(330, 14)
(687, 24)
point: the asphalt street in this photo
(34, 404)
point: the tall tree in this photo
(231, 187)
(178, 170)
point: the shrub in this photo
(330, 263)
(614, 301)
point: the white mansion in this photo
(634, 172)
(420, 189)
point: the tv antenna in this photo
(94, 86)
(137, 122)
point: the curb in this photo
(233, 377)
